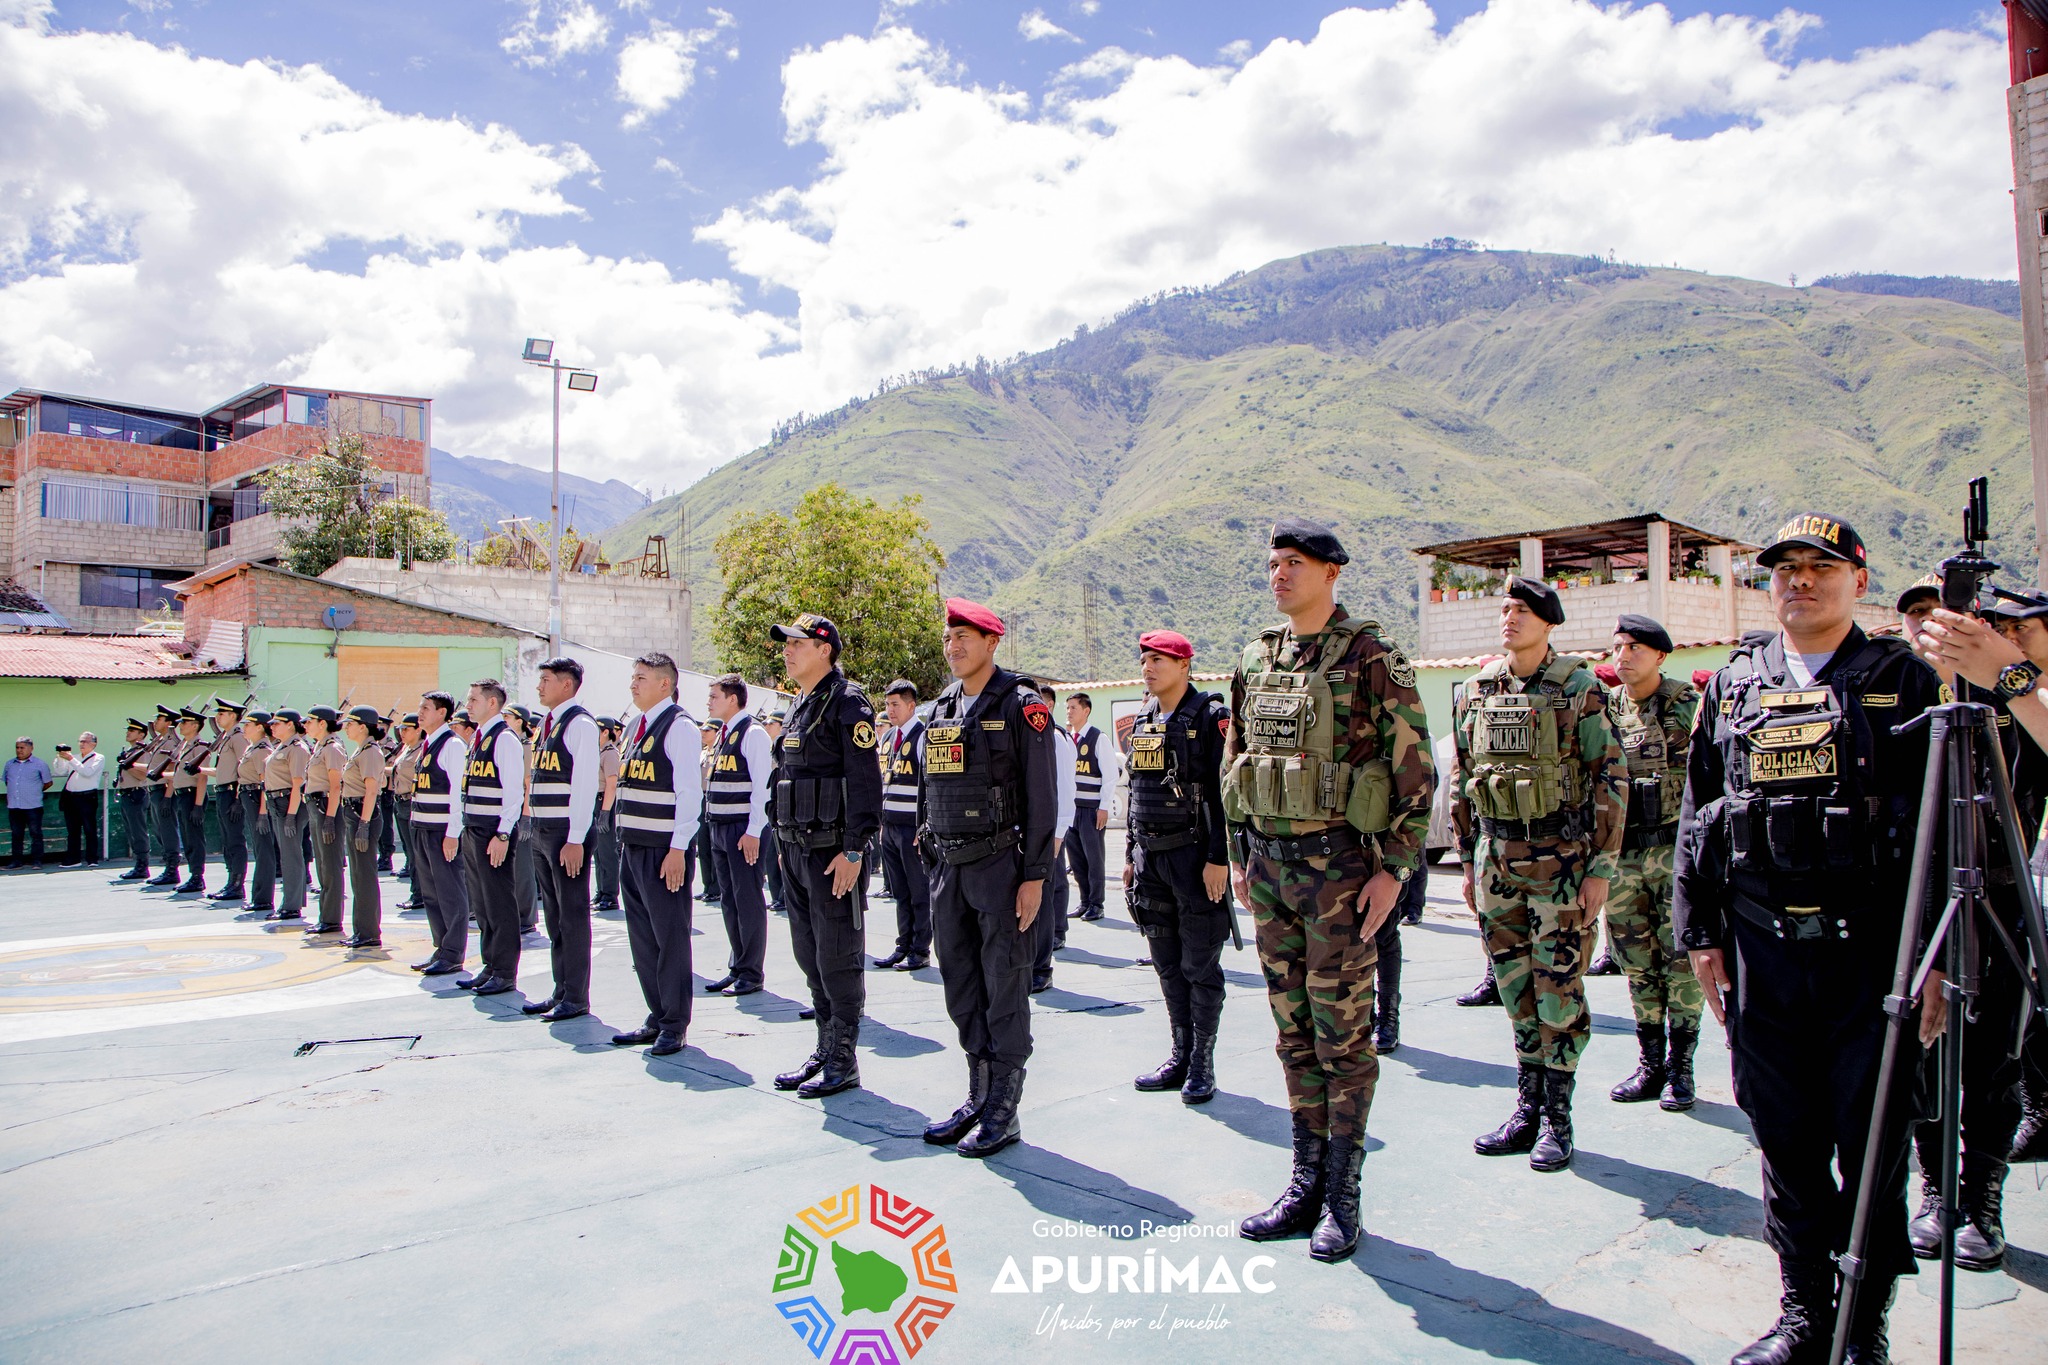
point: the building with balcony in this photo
(103, 505)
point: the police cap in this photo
(1830, 535)
(327, 713)
(1927, 586)
(807, 626)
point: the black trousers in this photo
(984, 958)
(658, 931)
(359, 833)
(25, 827)
(135, 819)
(491, 897)
(387, 840)
(444, 891)
(1185, 932)
(163, 818)
(745, 903)
(706, 865)
(1083, 853)
(328, 851)
(525, 887)
(604, 848)
(191, 816)
(263, 877)
(828, 944)
(913, 893)
(81, 826)
(288, 832)
(565, 905)
(776, 900)
(234, 837)
(1805, 1030)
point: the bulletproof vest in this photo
(809, 797)
(1088, 769)
(1525, 761)
(1287, 767)
(970, 763)
(1165, 797)
(1655, 750)
(899, 774)
(644, 810)
(430, 786)
(483, 786)
(554, 769)
(729, 792)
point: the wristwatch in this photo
(851, 855)
(2016, 680)
(1402, 874)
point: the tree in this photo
(872, 568)
(332, 504)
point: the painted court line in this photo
(350, 989)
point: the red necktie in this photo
(547, 727)
(639, 730)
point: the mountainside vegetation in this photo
(478, 495)
(1405, 396)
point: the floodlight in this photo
(540, 350)
(583, 383)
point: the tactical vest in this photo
(483, 786)
(899, 775)
(970, 768)
(431, 788)
(1166, 798)
(645, 808)
(1526, 772)
(1088, 770)
(729, 793)
(809, 796)
(554, 769)
(1656, 761)
(1286, 767)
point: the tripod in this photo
(1967, 779)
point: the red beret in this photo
(961, 612)
(1169, 642)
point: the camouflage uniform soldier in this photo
(1326, 787)
(1653, 715)
(1542, 792)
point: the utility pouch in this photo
(1838, 836)
(1369, 807)
(1790, 833)
(1645, 802)
(830, 795)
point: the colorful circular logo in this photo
(866, 1276)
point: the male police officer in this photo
(827, 806)
(660, 795)
(1051, 933)
(1327, 784)
(187, 787)
(155, 762)
(134, 792)
(222, 771)
(493, 789)
(1793, 849)
(1653, 715)
(564, 802)
(1177, 860)
(736, 809)
(1094, 770)
(436, 833)
(987, 808)
(1541, 800)
(902, 748)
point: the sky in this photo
(737, 212)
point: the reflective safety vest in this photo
(729, 791)
(900, 774)
(645, 808)
(554, 768)
(483, 786)
(1088, 770)
(431, 787)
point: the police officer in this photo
(187, 787)
(736, 809)
(1050, 935)
(902, 770)
(1094, 772)
(1327, 785)
(1177, 860)
(604, 835)
(361, 821)
(222, 771)
(660, 793)
(493, 790)
(323, 804)
(525, 727)
(155, 763)
(284, 791)
(436, 833)
(564, 804)
(133, 789)
(987, 811)
(826, 805)
(1542, 794)
(1653, 717)
(405, 771)
(249, 770)
(1793, 848)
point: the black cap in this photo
(1540, 597)
(1312, 538)
(295, 719)
(223, 704)
(135, 724)
(525, 715)
(166, 712)
(409, 718)
(331, 715)
(1821, 531)
(186, 713)
(607, 722)
(1926, 585)
(260, 717)
(461, 717)
(368, 715)
(903, 687)
(1643, 631)
(807, 626)
(2015, 606)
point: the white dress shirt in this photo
(454, 762)
(684, 747)
(86, 772)
(1064, 757)
(510, 756)
(582, 741)
(760, 757)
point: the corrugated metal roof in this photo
(97, 656)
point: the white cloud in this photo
(1088, 7)
(1036, 27)
(550, 30)
(1235, 51)
(657, 68)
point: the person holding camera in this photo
(1794, 841)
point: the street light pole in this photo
(555, 524)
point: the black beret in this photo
(1643, 631)
(1540, 597)
(1311, 538)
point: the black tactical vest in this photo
(970, 763)
(554, 768)
(1165, 797)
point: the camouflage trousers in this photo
(1524, 892)
(1320, 977)
(1661, 986)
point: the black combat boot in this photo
(1301, 1203)
(167, 877)
(1605, 965)
(999, 1126)
(1924, 1232)
(1168, 1074)
(1806, 1318)
(1980, 1240)
(1867, 1343)
(2030, 1143)
(1678, 1091)
(961, 1121)
(807, 1068)
(1336, 1235)
(1386, 1029)
(1518, 1134)
(1487, 992)
(842, 1064)
(1648, 1081)
(1553, 1151)
(1200, 1085)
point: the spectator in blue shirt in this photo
(28, 777)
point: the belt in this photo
(1165, 842)
(1815, 926)
(1326, 843)
(960, 851)
(810, 838)
(354, 803)
(1656, 836)
(1526, 831)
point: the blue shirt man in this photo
(28, 777)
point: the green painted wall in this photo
(47, 710)
(290, 667)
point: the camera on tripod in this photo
(1963, 575)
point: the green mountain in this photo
(478, 494)
(1405, 396)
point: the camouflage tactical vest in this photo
(1525, 763)
(1287, 766)
(1656, 748)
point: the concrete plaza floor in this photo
(181, 1178)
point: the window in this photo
(258, 414)
(306, 409)
(117, 585)
(104, 424)
(122, 504)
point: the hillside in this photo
(475, 494)
(1407, 396)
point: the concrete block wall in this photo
(268, 597)
(622, 615)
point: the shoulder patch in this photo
(1398, 667)
(1037, 715)
(864, 734)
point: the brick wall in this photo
(288, 441)
(259, 596)
(622, 615)
(110, 459)
(8, 496)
